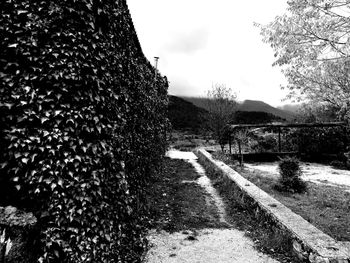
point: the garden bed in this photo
(326, 207)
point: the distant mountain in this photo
(256, 105)
(290, 107)
(184, 115)
(251, 110)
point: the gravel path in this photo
(205, 245)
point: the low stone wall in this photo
(18, 235)
(308, 242)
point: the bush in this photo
(290, 176)
(338, 164)
(82, 126)
(265, 143)
(346, 159)
(316, 140)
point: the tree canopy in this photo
(312, 46)
(221, 106)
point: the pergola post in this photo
(279, 139)
(240, 153)
(240, 127)
(345, 138)
(230, 143)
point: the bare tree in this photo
(221, 106)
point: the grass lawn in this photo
(177, 202)
(326, 207)
(178, 205)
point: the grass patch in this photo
(241, 215)
(177, 202)
(326, 207)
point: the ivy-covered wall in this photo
(82, 126)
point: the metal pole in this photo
(156, 66)
(240, 154)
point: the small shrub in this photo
(290, 180)
(266, 143)
(338, 164)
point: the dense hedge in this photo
(82, 123)
(312, 141)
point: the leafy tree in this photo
(221, 106)
(316, 112)
(327, 140)
(312, 47)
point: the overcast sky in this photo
(201, 42)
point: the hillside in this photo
(256, 105)
(253, 117)
(200, 102)
(249, 106)
(184, 115)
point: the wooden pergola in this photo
(231, 129)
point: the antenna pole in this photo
(156, 66)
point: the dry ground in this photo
(326, 207)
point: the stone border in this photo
(308, 242)
(19, 236)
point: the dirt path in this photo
(209, 245)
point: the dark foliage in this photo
(290, 176)
(267, 143)
(82, 125)
(311, 141)
(338, 164)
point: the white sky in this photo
(201, 42)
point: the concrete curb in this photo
(308, 242)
